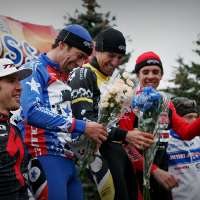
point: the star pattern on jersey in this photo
(67, 125)
(34, 85)
(34, 174)
(63, 127)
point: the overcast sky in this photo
(168, 27)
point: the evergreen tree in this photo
(93, 21)
(187, 78)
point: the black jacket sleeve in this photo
(85, 98)
(85, 93)
(117, 134)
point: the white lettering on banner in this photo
(16, 50)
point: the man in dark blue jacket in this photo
(49, 125)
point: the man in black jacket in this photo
(87, 85)
(12, 153)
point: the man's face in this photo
(108, 62)
(10, 90)
(70, 58)
(190, 117)
(150, 76)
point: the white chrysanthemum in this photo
(125, 75)
(129, 82)
(104, 105)
(129, 92)
(104, 99)
(113, 91)
(108, 96)
(118, 82)
(118, 99)
(112, 105)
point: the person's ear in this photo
(62, 45)
(93, 49)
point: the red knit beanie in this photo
(146, 59)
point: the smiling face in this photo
(108, 61)
(150, 76)
(10, 90)
(70, 57)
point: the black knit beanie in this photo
(184, 105)
(110, 40)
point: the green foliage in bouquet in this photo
(149, 106)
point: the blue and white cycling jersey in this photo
(45, 101)
(184, 164)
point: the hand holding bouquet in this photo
(149, 107)
(115, 99)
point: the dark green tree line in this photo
(187, 78)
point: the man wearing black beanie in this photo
(87, 85)
(110, 40)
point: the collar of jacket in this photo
(5, 118)
(95, 64)
(101, 78)
(48, 61)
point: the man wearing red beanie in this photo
(148, 59)
(149, 70)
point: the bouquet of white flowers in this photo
(150, 106)
(116, 99)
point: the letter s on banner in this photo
(29, 51)
(13, 48)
